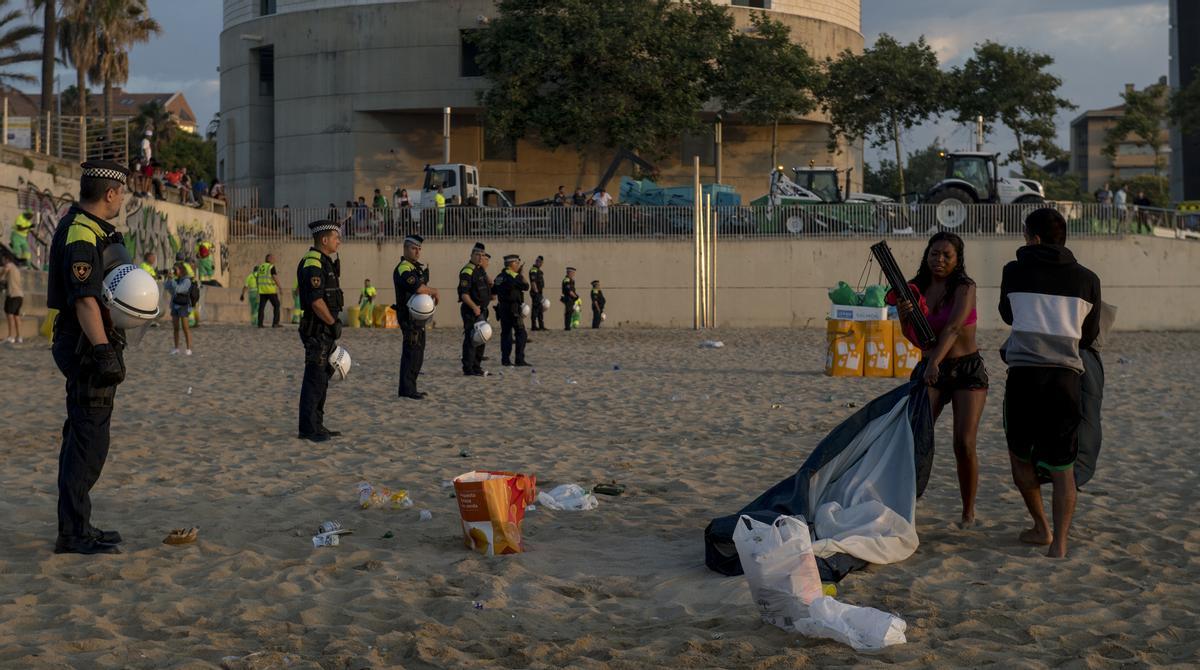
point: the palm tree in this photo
(11, 50)
(78, 43)
(154, 116)
(121, 24)
(49, 10)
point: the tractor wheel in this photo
(952, 193)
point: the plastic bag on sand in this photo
(712, 344)
(779, 565)
(568, 497)
(843, 294)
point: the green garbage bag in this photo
(874, 296)
(842, 294)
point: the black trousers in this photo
(537, 321)
(412, 356)
(512, 327)
(315, 386)
(596, 318)
(263, 299)
(568, 312)
(84, 437)
(472, 354)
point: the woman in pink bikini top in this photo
(952, 370)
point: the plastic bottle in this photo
(533, 378)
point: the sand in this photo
(693, 433)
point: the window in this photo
(266, 71)
(436, 178)
(498, 148)
(756, 4)
(468, 65)
(266, 7)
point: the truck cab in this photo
(458, 179)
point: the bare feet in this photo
(1038, 536)
(967, 521)
(1057, 550)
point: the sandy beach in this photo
(693, 433)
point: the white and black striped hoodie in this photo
(1052, 303)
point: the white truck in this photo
(457, 179)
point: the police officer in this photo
(87, 349)
(411, 278)
(148, 262)
(475, 293)
(267, 281)
(321, 299)
(569, 296)
(598, 303)
(510, 287)
(537, 289)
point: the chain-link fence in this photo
(634, 222)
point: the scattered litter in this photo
(259, 660)
(387, 536)
(676, 398)
(616, 367)
(378, 496)
(533, 378)
(189, 390)
(446, 483)
(611, 489)
(478, 604)
(333, 528)
(531, 508)
(571, 381)
(464, 453)
(850, 404)
(426, 515)
(712, 344)
(566, 497)
(370, 566)
(325, 540)
(182, 536)
(1124, 361)
(776, 406)
(718, 636)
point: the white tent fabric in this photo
(865, 497)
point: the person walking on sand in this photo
(952, 370)
(1053, 305)
(267, 280)
(180, 288)
(10, 277)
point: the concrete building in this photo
(1089, 135)
(326, 100)
(1185, 58)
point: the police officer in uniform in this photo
(569, 296)
(510, 287)
(411, 278)
(475, 293)
(537, 291)
(598, 303)
(87, 349)
(317, 280)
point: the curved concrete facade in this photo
(327, 100)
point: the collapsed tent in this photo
(857, 491)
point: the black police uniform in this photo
(473, 282)
(537, 291)
(568, 299)
(510, 290)
(317, 277)
(407, 278)
(597, 306)
(77, 271)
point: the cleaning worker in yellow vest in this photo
(19, 239)
(440, 201)
(251, 287)
(204, 259)
(148, 261)
(366, 304)
(268, 289)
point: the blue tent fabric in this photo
(791, 496)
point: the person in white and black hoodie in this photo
(1053, 305)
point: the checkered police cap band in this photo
(322, 226)
(105, 173)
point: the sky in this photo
(1098, 47)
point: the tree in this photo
(193, 152)
(78, 44)
(924, 169)
(1010, 86)
(623, 73)
(12, 50)
(49, 10)
(887, 89)
(1065, 188)
(153, 116)
(1142, 123)
(765, 78)
(120, 24)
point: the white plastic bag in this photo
(568, 497)
(864, 628)
(778, 561)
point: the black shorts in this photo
(966, 373)
(13, 306)
(1041, 416)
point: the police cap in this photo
(415, 240)
(570, 269)
(595, 281)
(511, 258)
(478, 247)
(110, 170)
(323, 225)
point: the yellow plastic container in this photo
(877, 340)
(352, 316)
(377, 317)
(389, 318)
(906, 354)
(844, 348)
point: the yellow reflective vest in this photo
(266, 280)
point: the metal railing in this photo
(637, 222)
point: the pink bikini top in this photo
(938, 320)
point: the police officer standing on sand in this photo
(598, 303)
(537, 291)
(510, 287)
(87, 349)
(411, 278)
(317, 280)
(569, 296)
(475, 293)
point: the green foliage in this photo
(924, 168)
(885, 90)
(1010, 87)
(1146, 113)
(193, 152)
(1185, 105)
(1065, 188)
(764, 77)
(27, 162)
(1156, 187)
(621, 73)
(13, 33)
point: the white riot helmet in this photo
(603, 316)
(578, 308)
(340, 360)
(526, 310)
(481, 333)
(421, 307)
(131, 296)
(545, 304)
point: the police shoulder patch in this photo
(464, 283)
(412, 279)
(81, 271)
(316, 281)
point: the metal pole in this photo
(979, 133)
(446, 135)
(712, 267)
(5, 141)
(718, 139)
(696, 214)
(83, 138)
(58, 112)
(48, 152)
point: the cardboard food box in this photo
(906, 354)
(855, 313)
(844, 348)
(492, 506)
(877, 342)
